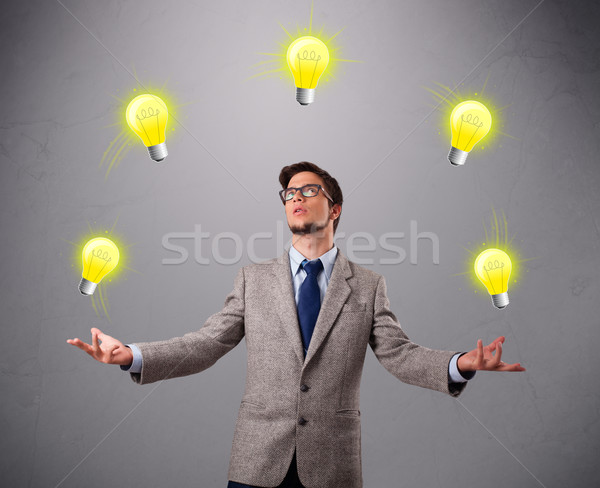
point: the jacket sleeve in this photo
(196, 351)
(409, 362)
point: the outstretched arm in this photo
(484, 359)
(409, 362)
(179, 356)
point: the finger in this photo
(75, 342)
(81, 345)
(101, 335)
(511, 367)
(496, 361)
(479, 358)
(98, 332)
(113, 351)
(492, 346)
(95, 344)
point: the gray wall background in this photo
(69, 421)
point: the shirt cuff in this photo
(136, 365)
(455, 375)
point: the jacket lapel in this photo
(286, 304)
(337, 293)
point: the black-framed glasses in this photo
(307, 191)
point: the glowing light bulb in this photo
(100, 256)
(470, 122)
(147, 116)
(307, 58)
(493, 268)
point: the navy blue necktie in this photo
(309, 301)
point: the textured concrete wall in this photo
(68, 421)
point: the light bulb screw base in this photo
(304, 96)
(500, 300)
(457, 156)
(87, 287)
(158, 152)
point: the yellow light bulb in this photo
(470, 122)
(147, 116)
(307, 58)
(493, 268)
(100, 256)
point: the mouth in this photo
(299, 211)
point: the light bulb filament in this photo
(469, 119)
(103, 256)
(495, 265)
(143, 115)
(490, 278)
(308, 57)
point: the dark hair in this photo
(331, 185)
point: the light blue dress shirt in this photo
(136, 365)
(298, 275)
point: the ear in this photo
(335, 211)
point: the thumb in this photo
(114, 349)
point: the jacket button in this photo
(304, 388)
(302, 421)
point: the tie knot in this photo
(312, 267)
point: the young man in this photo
(307, 317)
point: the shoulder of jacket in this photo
(361, 272)
(262, 265)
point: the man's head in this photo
(310, 214)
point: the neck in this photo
(312, 246)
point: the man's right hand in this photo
(109, 350)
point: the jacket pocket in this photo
(255, 405)
(354, 307)
(347, 412)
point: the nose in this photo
(298, 196)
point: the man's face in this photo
(307, 215)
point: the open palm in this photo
(488, 358)
(104, 348)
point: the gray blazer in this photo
(310, 406)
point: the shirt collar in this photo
(328, 260)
